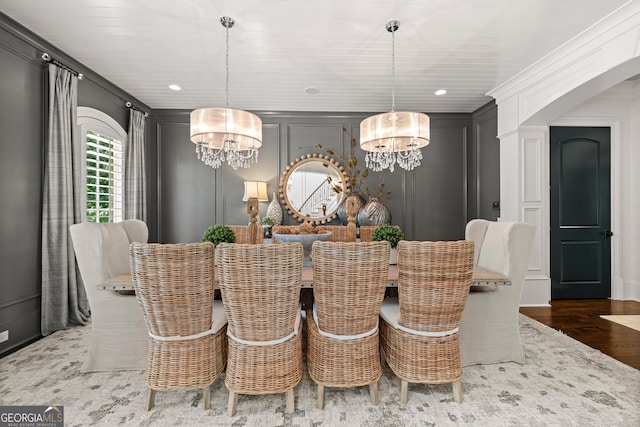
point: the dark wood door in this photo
(580, 212)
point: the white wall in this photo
(582, 83)
(632, 271)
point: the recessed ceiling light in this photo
(175, 87)
(440, 92)
(311, 90)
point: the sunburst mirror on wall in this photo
(312, 187)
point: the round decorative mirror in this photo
(312, 188)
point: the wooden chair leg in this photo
(404, 392)
(233, 403)
(291, 402)
(320, 396)
(151, 397)
(206, 397)
(375, 394)
(457, 391)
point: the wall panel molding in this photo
(443, 203)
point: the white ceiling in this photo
(280, 47)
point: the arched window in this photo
(102, 141)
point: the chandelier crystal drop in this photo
(224, 134)
(395, 137)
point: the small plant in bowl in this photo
(267, 221)
(219, 233)
(392, 234)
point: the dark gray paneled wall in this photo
(428, 203)
(23, 123)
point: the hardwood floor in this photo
(580, 319)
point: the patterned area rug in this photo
(563, 383)
(629, 320)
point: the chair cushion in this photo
(390, 313)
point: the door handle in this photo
(608, 233)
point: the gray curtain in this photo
(135, 199)
(64, 300)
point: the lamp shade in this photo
(216, 126)
(257, 189)
(394, 132)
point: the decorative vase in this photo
(374, 213)
(342, 209)
(393, 256)
(274, 210)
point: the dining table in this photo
(482, 278)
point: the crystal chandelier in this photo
(397, 136)
(226, 134)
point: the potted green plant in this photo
(219, 233)
(267, 223)
(392, 234)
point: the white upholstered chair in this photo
(119, 336)
(489, 328)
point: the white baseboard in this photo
(631, 290)
(536, 292)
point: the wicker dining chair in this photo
(243, 234)
(260, 286)
(349, 282)
(174, 285)
(366, 232)
(339, 233)
(419, 330)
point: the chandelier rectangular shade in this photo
(226, 128)
(394, 132)
(257, 189)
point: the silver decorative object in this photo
(274, 210)
(374, 213)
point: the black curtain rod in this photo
(128, 104)
(47, 58)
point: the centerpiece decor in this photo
(219, 233)
(392, 234)
(305, 234)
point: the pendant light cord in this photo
(227, 70)
(393, 69)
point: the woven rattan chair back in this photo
(174, 285)
(366, 232)
(339, 233)
(349, 281)
(243, 234)
(433, 283)
(260, 286)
